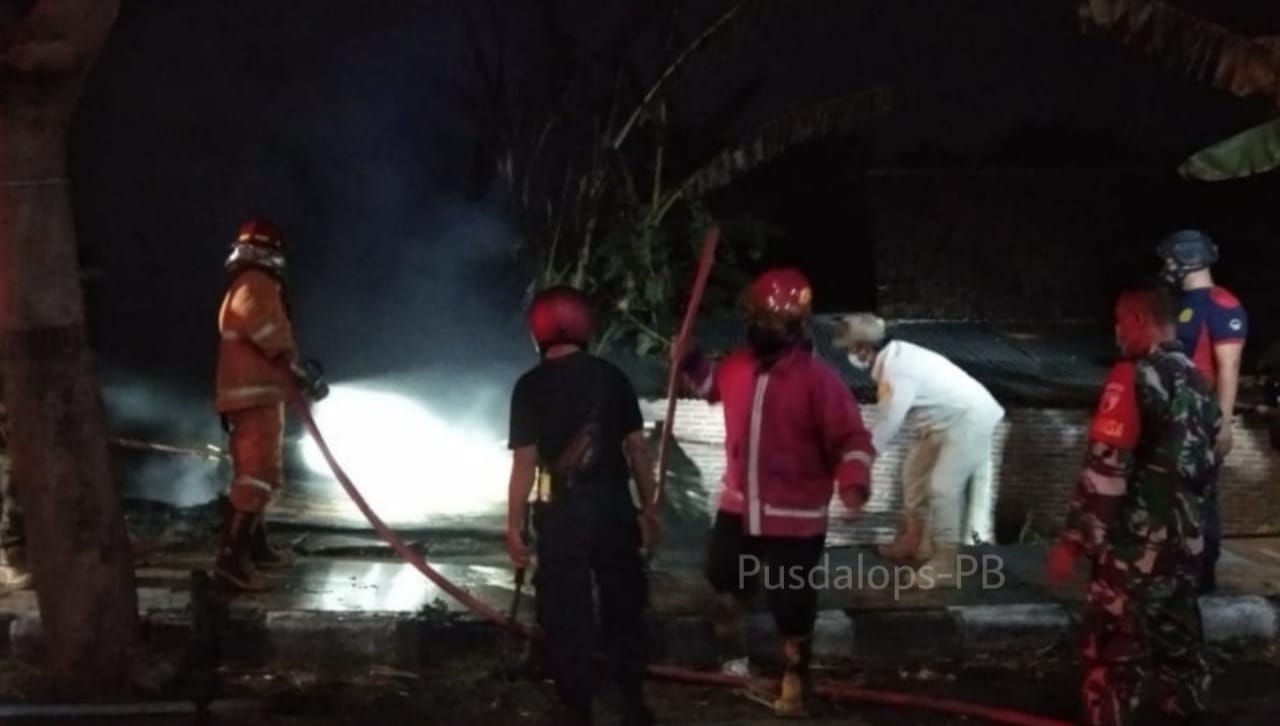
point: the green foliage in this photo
(1206, 51)
(604, 178)
(1211, 54)
(1248, 153)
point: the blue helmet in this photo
(1184, 252)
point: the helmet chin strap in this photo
(1175, 275)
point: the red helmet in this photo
(560, 314)
(780, 296)
(260, 232)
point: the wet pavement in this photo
(857, 579)
(466, 692)
(373, 626)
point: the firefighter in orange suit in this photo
(256, 359)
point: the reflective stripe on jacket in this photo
(256, 335)
(793, 436)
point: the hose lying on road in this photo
(830, 689)
(839, 691)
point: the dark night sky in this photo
(325, 115)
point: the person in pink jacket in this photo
(793, 436)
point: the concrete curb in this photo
(955, 632)
(1240, 618)
(995, 628)
(408, 640)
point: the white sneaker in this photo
(738, 667)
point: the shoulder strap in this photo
(580, 452)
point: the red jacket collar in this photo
(789, 359)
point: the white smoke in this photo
(150, 411)
(412, 464)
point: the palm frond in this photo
(1246, 154)
(828, 119)
(675, 65)
(1269, 41)
(1206, 51)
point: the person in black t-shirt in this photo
(576, 428)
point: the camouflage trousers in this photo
(1142, 643)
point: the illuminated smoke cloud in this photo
(412, 464)
(147, 410)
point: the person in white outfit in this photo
(954, 418)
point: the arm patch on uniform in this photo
(1227, 320)
(1117, 419)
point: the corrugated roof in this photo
(1040, 365)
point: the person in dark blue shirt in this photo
(1212, 328)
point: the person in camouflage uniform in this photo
(1137, 515)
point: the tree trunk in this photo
(76, 539)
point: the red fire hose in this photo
(845, 692)
(386, 533)
(830, 689)
(678, 349)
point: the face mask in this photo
(764, 341)
(250, 255)
(858, 363)
(1174, 273)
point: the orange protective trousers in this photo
(257, 443)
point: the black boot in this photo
(637, 715)
(635, 710)
(261, 551)
(578, 716)
(234, 567)
(565, 715)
